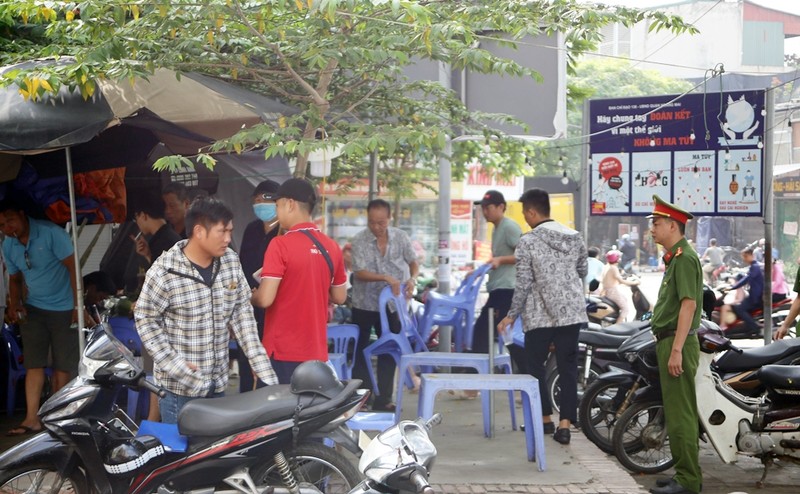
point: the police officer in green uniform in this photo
(676, 318)
(794, 311)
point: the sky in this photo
(792, 45)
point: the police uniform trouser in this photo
(680, 411)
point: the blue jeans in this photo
(171, 405)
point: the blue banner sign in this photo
(703, 152)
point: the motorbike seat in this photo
(753, 358)
(600, 339)
(605, 302)
(780, 376)
(239, 412)
(626, 328)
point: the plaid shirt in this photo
(183, 320)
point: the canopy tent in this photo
(120, 128)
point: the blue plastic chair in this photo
(390, 343)
(343, 337)
(457, 310)
(124, 329)
(16, 370)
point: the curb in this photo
(607, 477)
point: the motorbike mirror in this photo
(594, 285)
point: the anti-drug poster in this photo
(703, 152)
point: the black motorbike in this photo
(267, 440)
(597, 352)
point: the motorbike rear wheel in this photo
(640, 438)
(42, 478)
(313, 463)
(597, 412)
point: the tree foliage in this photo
(340, 62)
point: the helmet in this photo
(613, 256)
(625, 236)
(314, 376)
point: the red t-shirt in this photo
(295, 325)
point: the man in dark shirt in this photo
(149, 217)
(156, 235)
(755, 282)
(176, 198)
(256, 239)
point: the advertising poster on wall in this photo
(610, 189)
(694, 181)
(702, 151)
(650, 176)
(460, 232)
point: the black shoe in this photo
(664, 482)
(547, 427)
(671, 488)
(562, 435)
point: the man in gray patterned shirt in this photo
(382, 255)
(548, 294)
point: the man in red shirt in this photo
(303, 272)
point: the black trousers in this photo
(500, 302)
(366, 320)
(537, 346)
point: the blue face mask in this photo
(265, 211)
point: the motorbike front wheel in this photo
(42, 478)
(640, 438)
(597, 412)
(312, 463)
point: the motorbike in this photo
(738, 329)
(597, 352)
(611, 393)
(766, 426)
(267, 440)
(399, 459)
(604, 311)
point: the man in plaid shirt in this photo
(193, 296)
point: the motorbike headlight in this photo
(68, 411)
(404, 443)
(631, 357)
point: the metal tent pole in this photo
(78, 277)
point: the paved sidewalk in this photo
(470, 463)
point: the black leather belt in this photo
(666, 334)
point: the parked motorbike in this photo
(267, 440)
(597, 352)
(399, 459)
(610, 394)
(765, 427)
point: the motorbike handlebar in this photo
(144, 383)
(433, 421)
(421, 483)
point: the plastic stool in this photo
(477, 361)
(531, 405)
